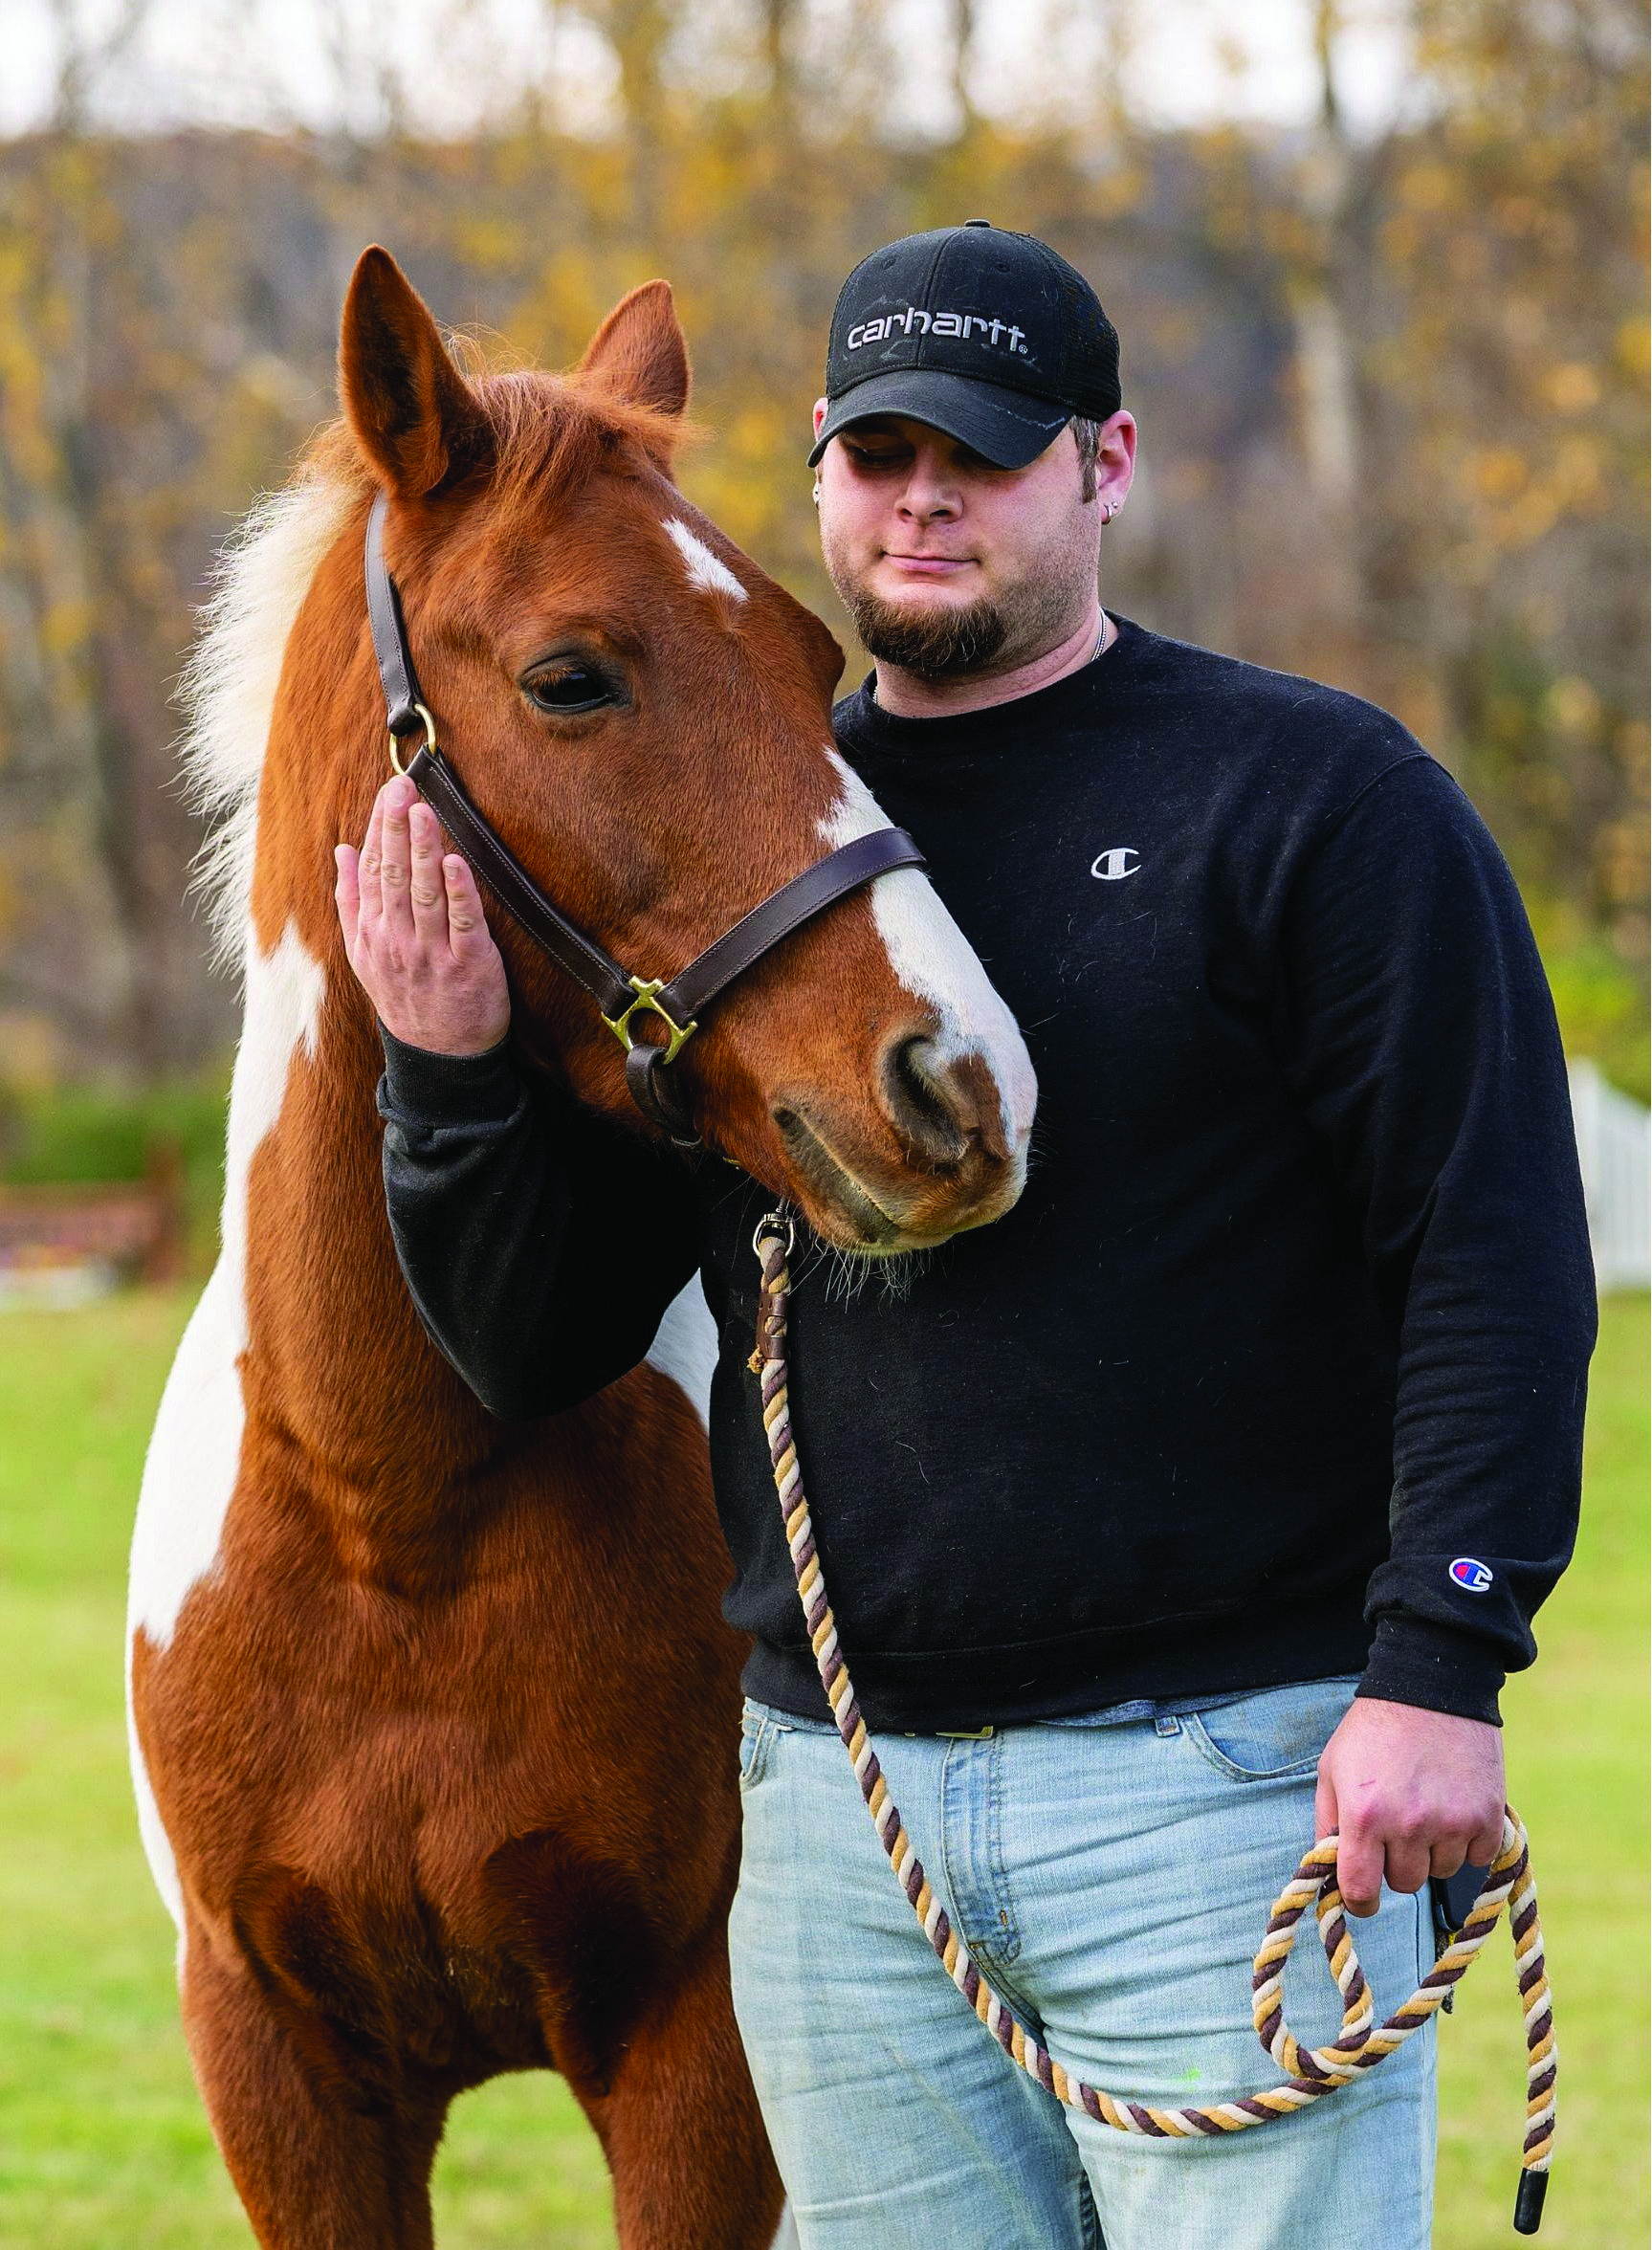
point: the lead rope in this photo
(1311, 2072)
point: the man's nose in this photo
(929, 492)
(929, 500)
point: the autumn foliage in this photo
(1391, 388)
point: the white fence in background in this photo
(1616, 1155)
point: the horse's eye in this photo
(569, 687)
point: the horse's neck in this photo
(335, 1360)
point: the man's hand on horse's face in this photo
(1412, 1794)
(415, 931)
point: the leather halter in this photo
(620, 998)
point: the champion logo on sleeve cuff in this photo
(1473, 1577)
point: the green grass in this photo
(1577, 1748)
(103, 2142)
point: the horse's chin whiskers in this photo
(848, 1270)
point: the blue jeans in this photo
(1111, 1876)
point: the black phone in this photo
(1453, 1895)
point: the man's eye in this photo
(865, 457)
(569, 687)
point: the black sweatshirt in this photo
(1277, 1369)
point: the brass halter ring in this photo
(429, 741)
(648, 990)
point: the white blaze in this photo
(707, 571)
(933, 959)
(195, 1451)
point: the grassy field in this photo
(103, 2144)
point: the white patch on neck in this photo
(151, 1828)
(707, 571)
(194, 1453)
(933, 959)
(685, 1348)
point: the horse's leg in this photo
(314, 2168)
(680, 2124)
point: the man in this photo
(1203, 1501)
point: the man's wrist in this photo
(446, 1089)
(1416, 1661)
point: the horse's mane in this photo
(228, 688)
(546, 430)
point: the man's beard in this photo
(931, 644)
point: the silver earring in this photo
(817, 496)
(1108, 512)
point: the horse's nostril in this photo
(926, 1105)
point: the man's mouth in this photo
(927, 565)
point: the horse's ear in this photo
(411, 409)
(640, 352)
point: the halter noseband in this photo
(619, 999)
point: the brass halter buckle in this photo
(648, 990)
(430, 743)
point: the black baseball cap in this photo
(988, 336)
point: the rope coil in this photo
(1310, 2073)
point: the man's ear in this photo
(411, 412)
(640, 352)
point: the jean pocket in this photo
(754, 1730)
(759, 1730)
(1276, 1734)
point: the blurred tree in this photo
(1509, 356)
(89, 871)
(1391, 384)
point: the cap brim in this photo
(1004, 427)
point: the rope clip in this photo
(769, 1225)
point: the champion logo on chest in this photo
(1116, 863)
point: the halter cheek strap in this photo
(620, 998)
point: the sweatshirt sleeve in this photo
(1423, 1043)
(540, 1245)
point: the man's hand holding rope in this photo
(1410, 1793)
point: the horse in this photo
(416, 1771)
